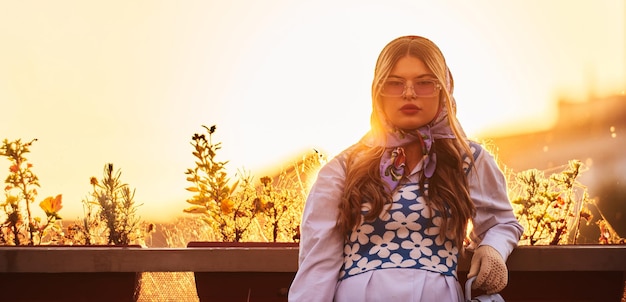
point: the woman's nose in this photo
(409, 92)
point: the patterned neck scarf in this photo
(393, 161)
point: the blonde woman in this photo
(387, 218)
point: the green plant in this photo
(215, 200)
(118, 209)
(50, 232)
(275, 205)
(550, 208)
(282, 198)
(90, 228)
(21, 186)
(20, 225)
(110, 213)
(244, 211)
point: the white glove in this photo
(490, 270)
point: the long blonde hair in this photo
(448, 189)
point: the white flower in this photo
(433, 264)
(408, 192)
(395, 206)
(363, 266)
(397, 261)
(466, 160)
(421, 206)
(418, 245)
(383, 245)
(449, 254)
(361, 234)
(402, 224)
(434, 229)
(351, 254)
(384, 214)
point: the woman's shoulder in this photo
(475, 148)
(342, 157)
(478, 153)
(482, 149)
(484, 158)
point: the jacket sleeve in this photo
(495, 223)
(321, 245)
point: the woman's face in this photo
(419, 103)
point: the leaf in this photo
(198, 200)
(234, 187)
(196, 210)
(192, 189)
(207, 220)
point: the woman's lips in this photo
(409, 109)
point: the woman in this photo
(387, 218)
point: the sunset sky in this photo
(130, 82)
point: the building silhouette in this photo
(593, 132)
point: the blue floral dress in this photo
(398, 256)
(405, 236)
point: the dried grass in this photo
(168, 287)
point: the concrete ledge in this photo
(65, 259)
(45, 259)
(538, 273)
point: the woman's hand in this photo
(490, 270)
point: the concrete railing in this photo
(539, 273)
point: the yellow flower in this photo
(11, 199)
(226, 206)
(266, 180)
(51, 205)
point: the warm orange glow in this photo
(130, 82)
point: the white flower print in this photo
(383, 245)
(418, 245)
(421, 206)
(361, 234)
(449, 253)
(408, 192)
(341, 274)
(425, 190)
(402, 224)
(466, 159)
(363, 266)
(434, 229)
(352, 254)
(397, 261)
(395, 206)
(384, 214)
(466, 164)
(433, 264)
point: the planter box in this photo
(563, 273)
(52, 282)
(536, 273)
(63, 287)
(243, 286)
